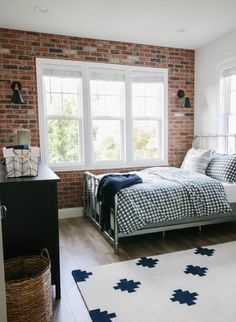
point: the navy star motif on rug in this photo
(129, 286)
(196, 270)
(147, 262)
(184, 297)
(81, 276)
(101, 316)
(204, 251)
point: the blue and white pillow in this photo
(222, 167)
(197, 160)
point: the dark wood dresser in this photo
(31, 221)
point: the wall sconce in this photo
(186, 101)
(16, 95)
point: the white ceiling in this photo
(174, 23)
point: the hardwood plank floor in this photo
(82, 246)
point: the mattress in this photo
(230, 190)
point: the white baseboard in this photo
(70, 212)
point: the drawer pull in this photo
(3, 211)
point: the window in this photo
(227, 118)
(147, 115)
(63, 116)
(230, 101)
(107, 93)
(101, 116)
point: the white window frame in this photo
(228, 112)
(223, 103)
(43, 117)
(42, 63)
(143, 162)
(223, 95)
(107, 164)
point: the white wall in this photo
(206, 81)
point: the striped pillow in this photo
(222, 167)
(197, 160)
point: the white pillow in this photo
(197, 160)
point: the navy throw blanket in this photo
(108, 186)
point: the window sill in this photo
(109, 166)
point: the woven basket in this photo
(28, 288)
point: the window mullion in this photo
(87, 124)
(63, 117)
(227, 104)
(81, 150)
(45, 151)
(128, 131)
(146, 118)
(107, 118)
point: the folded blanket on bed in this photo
(108, 186)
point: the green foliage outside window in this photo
(63, 140)
(106, 147)
(144, 141)
(63, 137)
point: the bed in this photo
(169, 215)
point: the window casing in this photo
(95, 115)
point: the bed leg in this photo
(115, 243)
(116, 248)
(200, 229)
(116, 238)
(163, 234)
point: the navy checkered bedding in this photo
(168, 194)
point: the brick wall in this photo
(18, 50)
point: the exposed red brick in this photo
(18, 50)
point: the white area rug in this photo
(197, 285)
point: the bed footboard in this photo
(92, 209)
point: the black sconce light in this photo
(186, 101)
(16, 95)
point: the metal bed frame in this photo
(92, 207)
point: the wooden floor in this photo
(82, 246)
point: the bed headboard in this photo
(222, 143)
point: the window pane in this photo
(138, 104)
(114, 105)
(55, 84)
(152, 106)
(71, 104)
(106, 140)
(98, 87)
(47, 83)
(138, 89)
(151, 89)
(63, 140)
(233, 102)
(145, 140)
(70, 85)
(147, 99)
(232, 124)
(98, 104)
(233, 83)
(231, 145)
(63, 95)
(54, 104)
(231, 130)
(107, 98)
